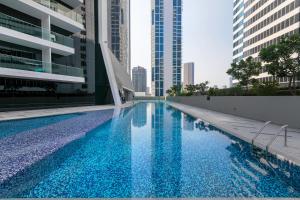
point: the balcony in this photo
(30, 29)
(35, 69)
(60, 15)
(73, 3)
(57, 7)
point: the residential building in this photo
(50, 54)
(84, 44)
(148, 91)
(238, 29)
(259, 24)
(37, 45)
(118, 28)
(188, 74)
(113, 37)
(166, 45)
(139, 79)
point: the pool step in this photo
(258, 152)
(287, 172)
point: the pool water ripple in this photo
(155, 151)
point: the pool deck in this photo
(246, 129)
(21, 150)
(15, 115)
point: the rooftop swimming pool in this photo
(152, 150)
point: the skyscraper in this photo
(259, 24)
(119, 34)
(139, 79)
(188, 74)
(238, 30)
(166, 45)
(113, 35)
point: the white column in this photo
(46, 53)
(46, 57)
(46, 25)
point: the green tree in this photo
(244, 71)
(294, 42)
(202, 87)
(175, 90)
(190, 89)
(283, 60)
(171, 92)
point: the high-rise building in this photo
(84, 45)
(113, 36)
(188, 74)
(166, 45)
(139, 79)
(119, 34)
(50, 53)
(238, 30)
(259, 24)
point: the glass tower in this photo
(166, 45)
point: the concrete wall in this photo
(279, 110)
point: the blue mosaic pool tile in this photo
(27, 147)
(154, 151)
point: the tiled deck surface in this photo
(27, 147)
(12, 115)
(246, 129)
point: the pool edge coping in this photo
(31, 114)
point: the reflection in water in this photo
(203, 126)
(166, 151)
(140, 115)
(138, 155)
(188, 122)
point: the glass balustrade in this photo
(31, 29)
(58, 7)
(67, 70)
(13, 62)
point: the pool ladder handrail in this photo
(285, 127)
(260, 131)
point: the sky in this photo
(207, 38)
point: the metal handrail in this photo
(260, 131)
(275, 136)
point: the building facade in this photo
(37, 47)
(238, 30)
(139, 79)
(188, 74)
(50, 53)
(119, 34)
(259, 24)
(113, 37)
(166, 45)
(36, 36)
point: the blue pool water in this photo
(12, 127)
(153, 150)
